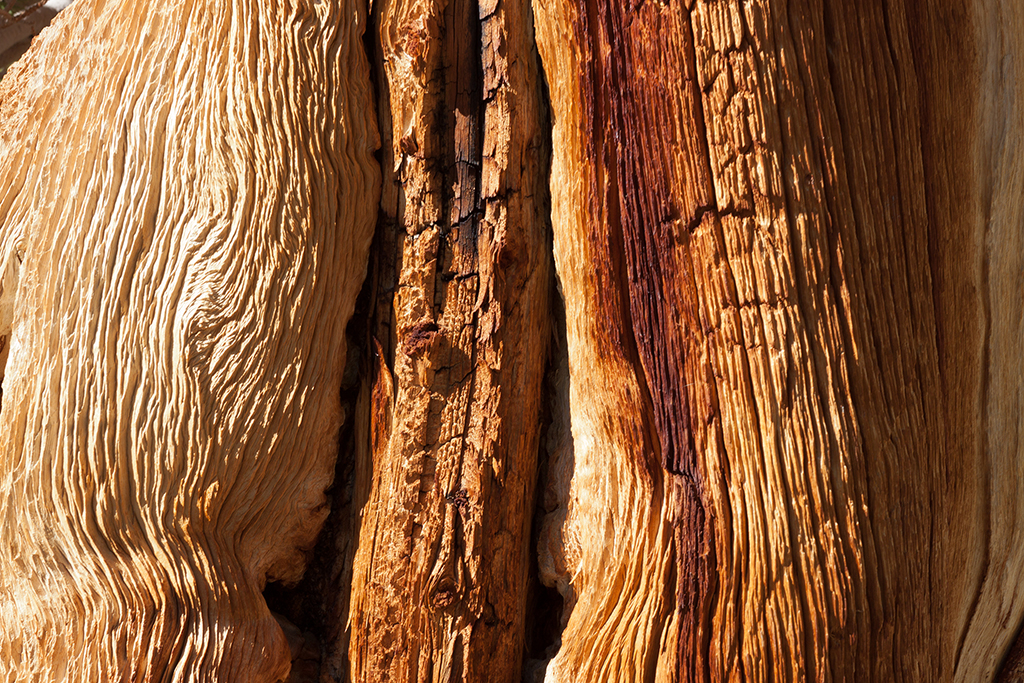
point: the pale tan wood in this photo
(186, 208)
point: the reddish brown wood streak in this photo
(631, 112)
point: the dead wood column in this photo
(461, 293)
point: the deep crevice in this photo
(314, 612)
(546, 609)
(1011, 668)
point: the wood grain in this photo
(705, 314)
(186, 207)
(463, 282)
(781, 203)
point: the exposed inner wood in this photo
(186, 209)
(768, 253)
(752, 187)
(462, 287)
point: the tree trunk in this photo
(188, 203)
(690, 347)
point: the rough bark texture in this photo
(707, 315)
(462, 281)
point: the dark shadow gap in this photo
(546, 610)
(546, 613)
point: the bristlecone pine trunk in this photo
(494, 341)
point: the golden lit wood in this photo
(690, 350)
(187, 204)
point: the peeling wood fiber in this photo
(185, 213)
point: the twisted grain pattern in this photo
(185, 211)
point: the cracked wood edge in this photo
(185, 216)
(463, 283)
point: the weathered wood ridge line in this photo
(181, 247)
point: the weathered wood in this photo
(609, 544)
(781, 423)
(463, 281)
(772, 275)
(185, 216)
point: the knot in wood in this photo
(443, 598)
(459, 498)
(419, 337)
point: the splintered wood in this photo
(462, 283)
(706, 316)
